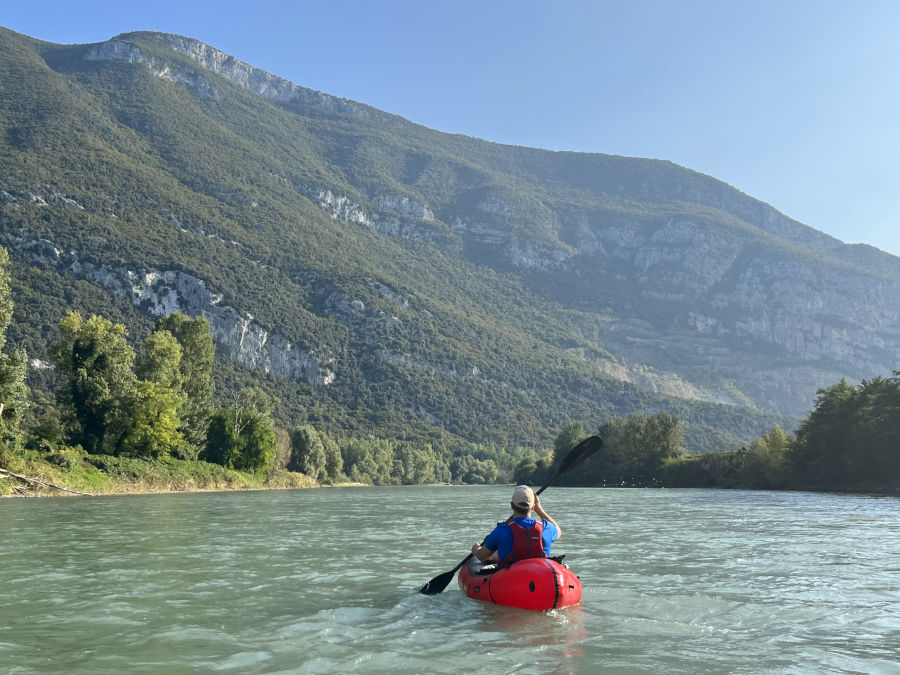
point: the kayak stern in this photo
(535, 583)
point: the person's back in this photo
(521, 536)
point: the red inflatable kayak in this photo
(534, 583)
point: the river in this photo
(325, 581)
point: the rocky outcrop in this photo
(369, 322)
(244, 75)
(339, 207)
(717, 195)
(240, 337)
(403, 206)
(814, 313)
(727, 310)
(160, 293)
(117, 50)
(27, 197)
(510, 232)
(394, 215)
(489, 241)
(727, 288)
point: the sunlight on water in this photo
(323, 581)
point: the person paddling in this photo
(521, 536)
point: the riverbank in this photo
(60, 474)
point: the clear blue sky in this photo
(795, 102)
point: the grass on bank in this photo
(105, 474)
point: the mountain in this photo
(377, 276)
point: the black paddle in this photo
(579, 453)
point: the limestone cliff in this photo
(244, 75)
(116, 50)
(160, 293)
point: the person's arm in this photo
(543, 515)
(483, 553)
(487, 550)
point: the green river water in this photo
(325, 581)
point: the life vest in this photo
(527, 542)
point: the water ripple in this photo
(318, 581)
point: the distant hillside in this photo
(378, 276)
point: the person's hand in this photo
(537, 505)
(475, 548)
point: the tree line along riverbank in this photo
(849, 442)
(146, 419)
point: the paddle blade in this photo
(581, 452)
(438, 584)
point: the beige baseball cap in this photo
(523, 497)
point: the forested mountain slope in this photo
(378, 276)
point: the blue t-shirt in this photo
(501, 539)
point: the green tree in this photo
(871, 454)
(662, 442)
(525, 472)
(417, 464)
(308, 454)
(198, 388)
(822, 438)
(635, 450)
(45, 435)
(459, 467)
(765, 464)
(482, 472)
(160, 361)
(13, 397)
(6, 302)
(282, 448)
(223, 440)
(154, 422)
(469, 470)
(566, 440)
(13, 370)
(258, 448)
(359, 460)
(242, 436)
(100, 386)
(852, 437)
(542, 469)
(334, 462)
(250, 402)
